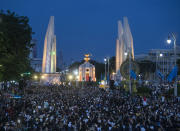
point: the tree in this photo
(99, 69)
(146, 68)
(112, 64)
(178, 64)
(15, 44)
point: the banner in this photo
(133, 74)
(160, 74)
(172, 74)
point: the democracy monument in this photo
(87, 70)
(124, 45)
(49, 55)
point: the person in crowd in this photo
(59, 108)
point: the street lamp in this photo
(35, 77)
(172, 35)
(42, 77)
(76, 77)
(70, 77)
(161, 55)
(105, 61)
(108, 66)
(75, 72)
(169, 40)
(125, 53)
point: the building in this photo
(60, 63)
(49, 54)
(36, 64)
(124, 44)
(87, 70)
(164, 59)
(33, 53)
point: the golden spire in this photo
(86, 57)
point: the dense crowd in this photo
(67, 108)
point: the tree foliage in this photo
(15, 44)
(146, 68)
(178, 64)
(112, 64)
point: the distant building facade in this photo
(33, 53)
(87, 70)
(163, 58)
(36, 63)
(60, 63)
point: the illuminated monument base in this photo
(50, 78)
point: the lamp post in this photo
(161, 56)
(108, 68)
(172, 35)
(126, 53)
(130, 90)
(76, 77)
(35, 77)
(70, 77)
(156, 69)
(105, 61)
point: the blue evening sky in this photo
(90, 26)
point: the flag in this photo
(172, 74)
(101, 76)
(107, 77)
(160, 74)
(133, 74)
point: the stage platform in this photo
(50, 78)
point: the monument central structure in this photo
(49, 54)
(124, 44)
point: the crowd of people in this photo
(56, 108)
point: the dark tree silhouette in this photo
(15, 44)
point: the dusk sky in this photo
(90, 26)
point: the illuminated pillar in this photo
(124, 43)
(49, 53)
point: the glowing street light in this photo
(70, 77)
(125, 53)
(19, 121)
(172, 36)
(77, 77)
(169, 40)
(35, 77)
(161, 55)
(42, 77)
(75, 72)
(113, 73)
(105, 61)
